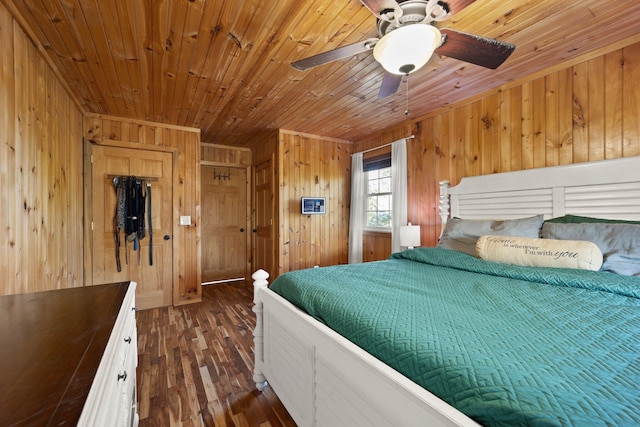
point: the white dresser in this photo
(69, 357)
(112, 398)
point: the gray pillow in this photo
(461, 234)
(619, 243)
(575, 219)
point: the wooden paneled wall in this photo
(185, 142)
(213, 154)
(317, 167)
(40, 171)
(587, 110)
(376, 245)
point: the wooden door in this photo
(224, 223)
(155, 280)
(263, 202)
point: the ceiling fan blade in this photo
(456, 6)
(378, 6)
(390, 84)
(334, 55)
(489, 53)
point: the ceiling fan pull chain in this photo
(406, 84)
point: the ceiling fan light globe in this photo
(407, 48)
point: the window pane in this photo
(385, 172)
(384, 219)
(385, 185)
(371, 219)
(373, 204)
(374, 186)
(384, 203)
(376, 222)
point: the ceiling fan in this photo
(408, 39)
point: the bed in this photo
(499, 344)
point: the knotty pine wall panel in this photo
(185, 144)
(376, 246)
(213, 154)
(40, 171)
(586, 111)
(316, 167)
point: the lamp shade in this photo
(407, 49)
(410, 235)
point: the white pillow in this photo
(540, 252)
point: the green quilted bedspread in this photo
(505, 345)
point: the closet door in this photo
(155, 279)
(264, 252)
(225, 223)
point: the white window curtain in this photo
(399, 190)
(357, 217)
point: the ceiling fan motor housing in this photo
(408, 39)
(413, 12)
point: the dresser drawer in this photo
(112, 398)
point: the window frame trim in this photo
(366, 226)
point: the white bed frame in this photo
(325, 380)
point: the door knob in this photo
(166, 237)
(242, 230)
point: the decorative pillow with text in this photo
(532, 252)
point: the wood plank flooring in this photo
(196, 364)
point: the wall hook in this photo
(222, 176)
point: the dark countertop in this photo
(51, 344)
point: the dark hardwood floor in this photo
(196, 364)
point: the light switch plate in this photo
(185, 220)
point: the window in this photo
(377, 175)
(378, 197)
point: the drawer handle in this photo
(123, 376)
(128, 340)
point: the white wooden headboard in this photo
(602, 189)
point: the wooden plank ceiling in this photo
(223, 65)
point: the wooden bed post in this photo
(444, 204)
(259, 281)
